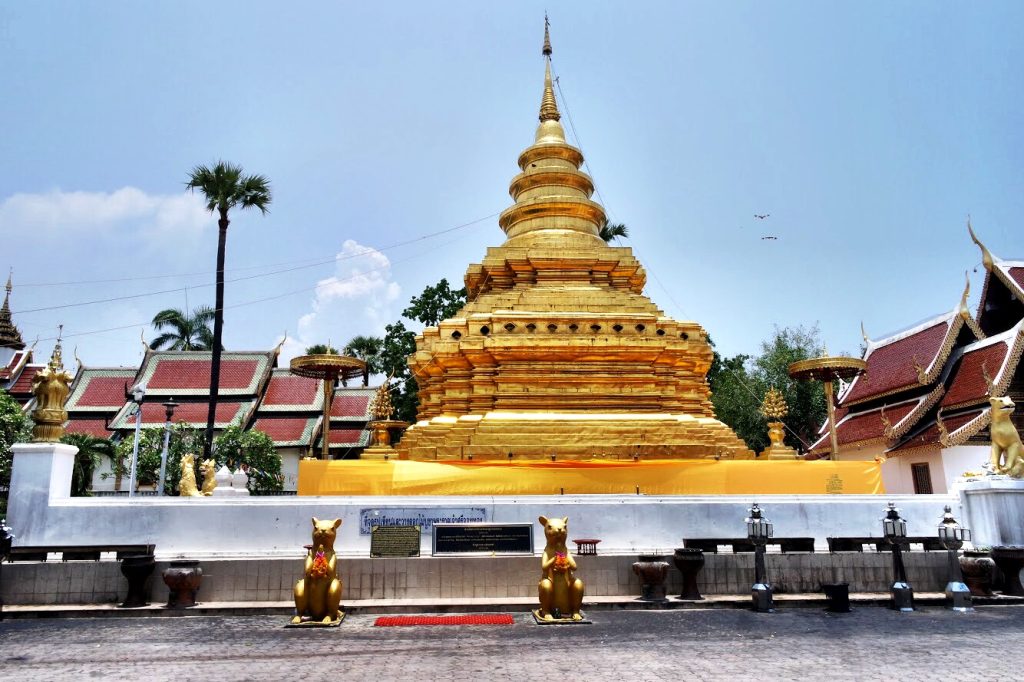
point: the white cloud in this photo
(358, 299)
(155, 216)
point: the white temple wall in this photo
(42, 513)
(897, 473)
(290, 467)
(956, 460)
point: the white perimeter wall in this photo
(42, 513)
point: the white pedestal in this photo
(994, 509)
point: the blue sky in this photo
(867, 130)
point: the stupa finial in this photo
(10, 337)
(548, 106)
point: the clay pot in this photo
(137, 568)
(652, 572)
(1010, 560)
(689, 562)
(979, 572)
(183, 579)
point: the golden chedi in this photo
(557, 352)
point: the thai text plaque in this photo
(483, 538)
(394, 541)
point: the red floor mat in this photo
(477, 619)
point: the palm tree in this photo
(366, 348)
(90, 449)
(225, 187)
(188, 332)
(321, 349)
(610, 231)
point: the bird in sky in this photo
(762, 216)
(769, 237)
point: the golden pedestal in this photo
(381, 448)
(777, 449)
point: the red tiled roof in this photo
(869, 424)
(23, 385)
(153, 413)
(16, 359)
(292, 391)
(89, 426)
(195, 374)
(1017, 275)
(930, 435)
(342, 436)
(287, 430)
(101, 391)
(351, 406)
(968, 384)
(891, 366)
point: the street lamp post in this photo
(952, 536)
(759, 530)
(894, 529)
(169, 411)
(138, 395)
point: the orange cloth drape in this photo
(651, 477)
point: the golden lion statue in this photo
(561, 593)
(318, 592)
(1007, 451)
(187, 484)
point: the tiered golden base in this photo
(566, 436)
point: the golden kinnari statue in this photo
(318, 592)
(50, 388)
(557, 351)
(560, 591)
(1007, 452)
(774, 408)
(187, 483)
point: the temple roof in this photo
(878, 424)
(954, 430)
(14, 366)
(984, 368)
(909, 359)
(187, 373)
(288, 430)
(194, 413)
(90, 426)
(21, 388)
(10, 337)
(288, 393)
(99, 389)
(351, 404)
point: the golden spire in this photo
(965, 312)
(548, 106)
(986, 257)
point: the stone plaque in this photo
(395, 541)
(483, 538)
(424, 517)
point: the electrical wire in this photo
(325, 261)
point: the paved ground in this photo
(799, 644)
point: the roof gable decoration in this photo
(944, 432)
(984, 368)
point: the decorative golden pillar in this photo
(328, 368)
(50, 387)
(827, 370)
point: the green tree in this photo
(321, 349)
(224, 187)
(90, 450)
(367, 349)
(186, 332)
(254, 452)
(738, 385)
(14, 428)
(436, 303)
(609, 231)
(185, 439)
